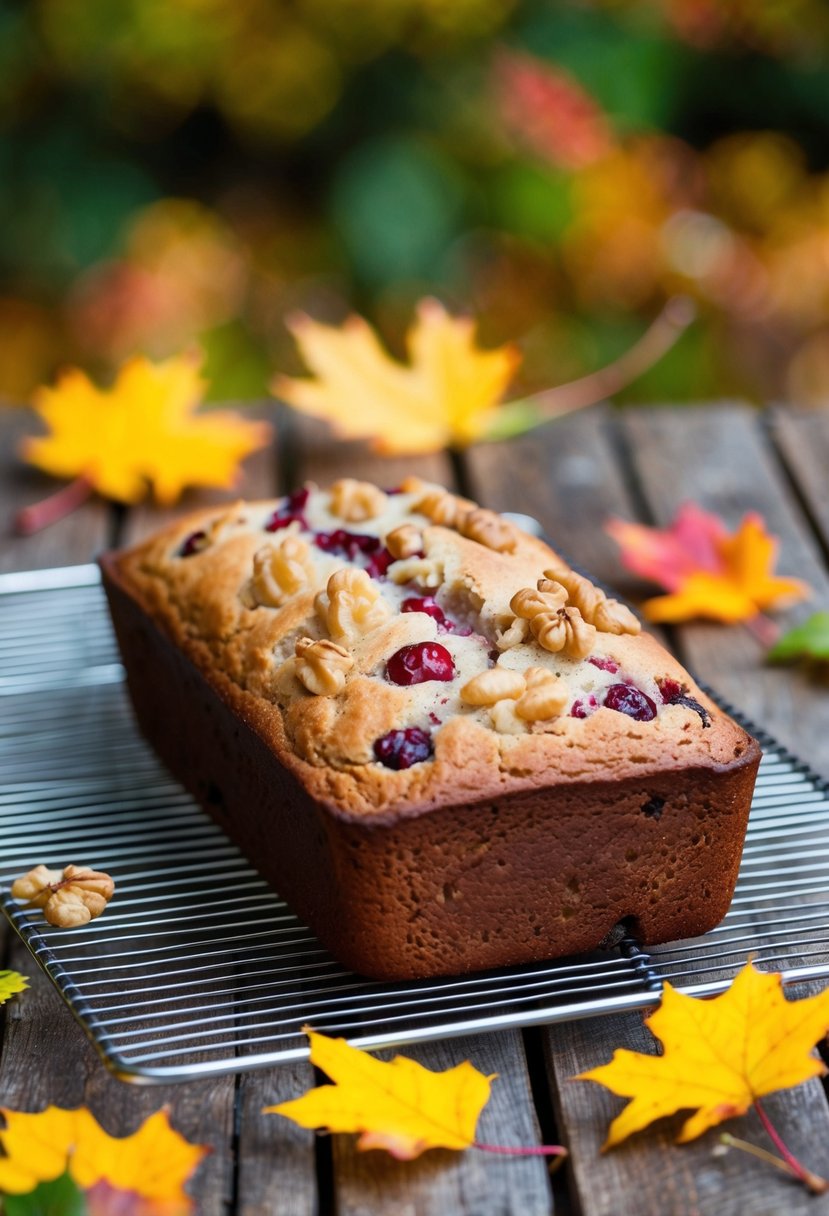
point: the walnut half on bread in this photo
(446, 749)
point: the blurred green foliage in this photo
(178, 171)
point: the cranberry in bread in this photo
(445, 748)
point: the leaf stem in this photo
(535, 1150)
(813, 1182)
(57, 506)
(746, 1146)
(655, 342)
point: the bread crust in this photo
(500, 850)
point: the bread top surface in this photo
(297, 611)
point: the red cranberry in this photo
(298, 499)
(290, 511)
(419, 663)
(379, 563)
(433, 718)
(281, 520)
(583, 709)
(427, 604)
(403, 748)
(355, 544)
(674, 693)
(194, 543)
(670, 689)
(604, 664)
(626, 699)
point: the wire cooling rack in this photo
(199, 968)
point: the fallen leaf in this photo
(718, 1055)
(809, 640)
(60, 1197)
(143, 431)
(401, 1106)
(152, 1164)
(668, 555)
(11, 982)
(447, 395)
(709, 572)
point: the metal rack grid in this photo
(199, 968)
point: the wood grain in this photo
(802, 440)
(442, 1182)
(47, 1060)
(649, 1175)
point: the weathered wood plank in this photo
(441, 1182)
(802, 438)
(74, 539)
(571, 479)
(45, 1057)
(47, 1060)
(567, 476)
(652, 1176)
(276, 1170)
(718, 458)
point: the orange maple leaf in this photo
(718, 1055)
(401, 1106)
(708, 571)
(143, 431)
(447, 394)
(152, 1164)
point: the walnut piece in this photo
(553, 626)
(354, 500)
(488, 528)
(564, 631)
(405, 541)
(496, 684)
(351, 604)
(546, 696)
(280, 571)
(511, 632)
(69, 898)
(531, 602)
(609, 616)
(425, 571)
(444, 508)
(505, 720)
(321, 666)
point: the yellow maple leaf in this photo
(743, 586)
(719, 1055)
(143, 431)
(153, 1163)
(448, 394)
(401, 1106)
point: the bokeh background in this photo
(194, 170)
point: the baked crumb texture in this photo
(446, 748)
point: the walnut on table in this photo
(69, 898)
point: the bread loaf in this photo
(446, 749)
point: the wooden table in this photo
(571, 475)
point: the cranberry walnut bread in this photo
(446, 749)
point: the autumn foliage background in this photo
(179, 170)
